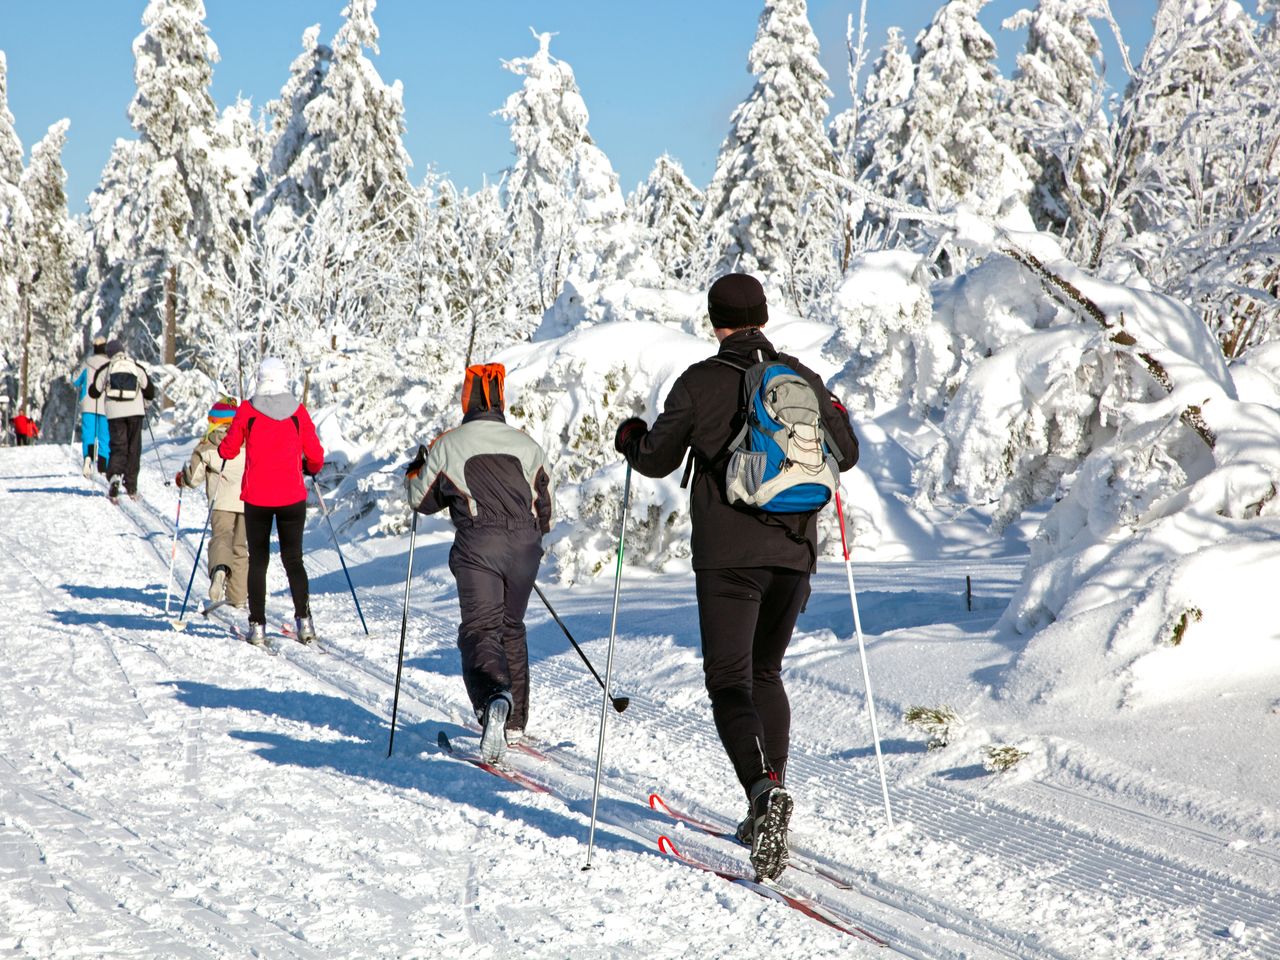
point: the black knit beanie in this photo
(737, 300)
(114, 347)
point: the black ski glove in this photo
(630, 432)
(416, 464)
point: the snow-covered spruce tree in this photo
(192, 225)
(461, 311)
(1124, 413)
(10, 144)
(1058, 124)
(338, 123)
(287, 135)
(116, 280)
(15, 225)
(338, 256)
(474, 254)
(950, 151)
(565, 210)
(888, 90)
(54, 246)
(1196, 191)
(767, 196)
(864, 137)
(668, 207)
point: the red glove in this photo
(178, 479)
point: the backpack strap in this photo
(689, 460)
(688, 469)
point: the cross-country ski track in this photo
(181, 794)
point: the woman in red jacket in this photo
(280, 445)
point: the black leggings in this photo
(289, 523)
(746, 617)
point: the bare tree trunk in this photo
(170, 323)
(471, 340)
(23, 381)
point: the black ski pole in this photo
(619, 703)
(337, 546)
(404, 629)
(164, 471)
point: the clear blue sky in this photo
(658, 75)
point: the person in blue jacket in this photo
(95, 436)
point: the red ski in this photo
(772, 891)
(506, 773)
(657, 803)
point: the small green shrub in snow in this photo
(1189, 616)
(998, 759)
(936, 722)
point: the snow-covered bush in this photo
(884, 333)
(1128, 416)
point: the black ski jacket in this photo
(703, 411)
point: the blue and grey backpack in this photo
(780, 460)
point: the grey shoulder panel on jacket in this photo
(277, 406)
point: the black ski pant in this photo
(289, 522)
(126, 450)
(746, 616)
(495, 567)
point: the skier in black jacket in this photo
(751, 568)
(496, 484)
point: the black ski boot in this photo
(770, 813)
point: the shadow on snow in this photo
(418, 764)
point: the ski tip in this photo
(666, 846)
(442, 741)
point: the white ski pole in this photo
(608, 663)
(173, 552)
(862, 652)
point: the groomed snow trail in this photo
(182, 794)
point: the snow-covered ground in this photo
(181, 794)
